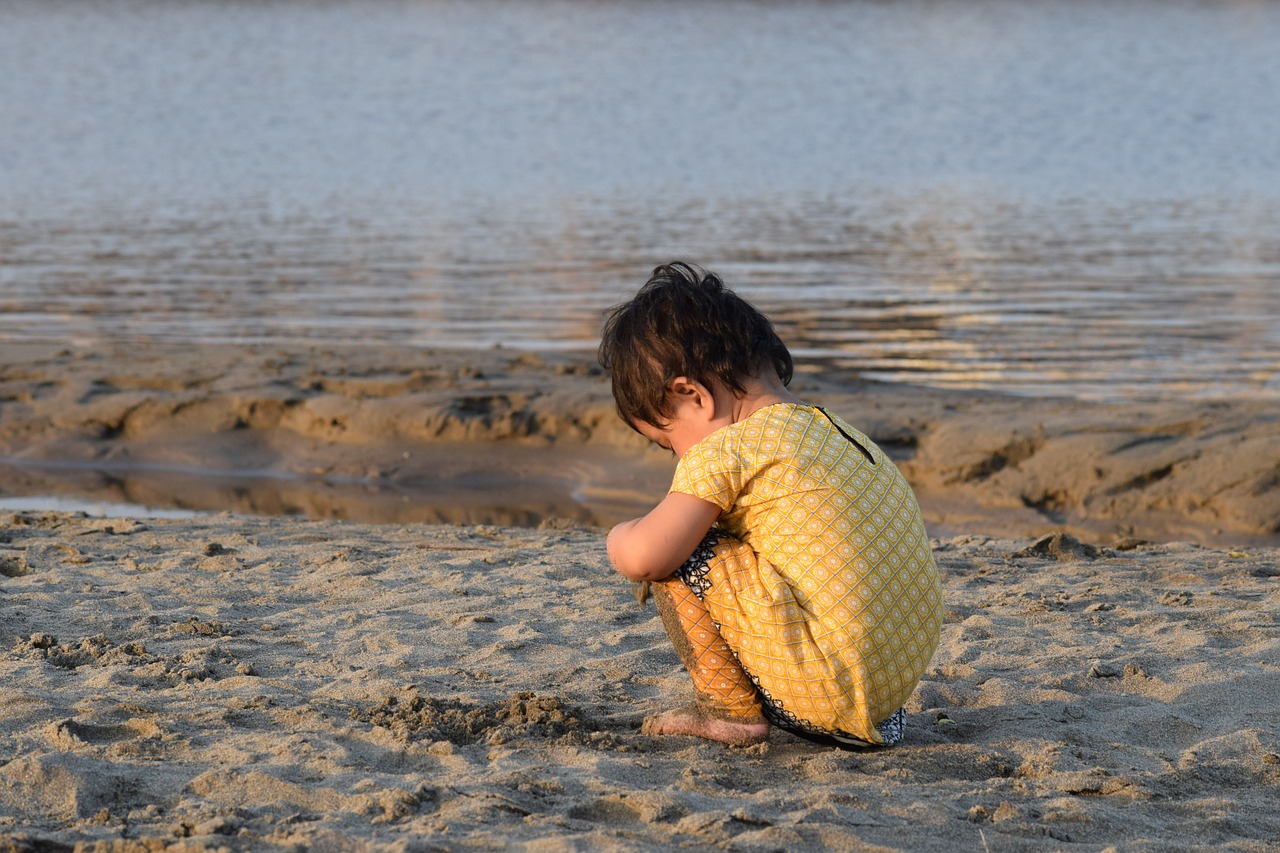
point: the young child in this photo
(788, 561)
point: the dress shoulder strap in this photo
(865, 452)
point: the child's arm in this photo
(653, 546)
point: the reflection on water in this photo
(1145, 300)
(103, 509)
(502, 496)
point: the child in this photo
(813, 603)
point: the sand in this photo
(276, 684)
(514, 438)
(245, 682)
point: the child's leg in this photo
(727, 707)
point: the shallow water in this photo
(103, 509)
(1042, 197)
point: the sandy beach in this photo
(274, 684)
(245, 681)
(307, 468)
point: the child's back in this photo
(837, 609)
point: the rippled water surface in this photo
(1043, 197)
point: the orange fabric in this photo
(723, 689)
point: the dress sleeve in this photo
(706, 471)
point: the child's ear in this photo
(681, 387)
(687, 390)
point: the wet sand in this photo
(234, 683)
(508, 438)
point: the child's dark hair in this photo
(684, 322)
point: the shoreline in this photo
(232, 683)
(510, 438)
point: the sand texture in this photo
(514, 438)
(277, 684)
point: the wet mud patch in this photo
(1015, 451)
(523, 716)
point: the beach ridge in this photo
(380, 434)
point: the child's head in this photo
(685, 322)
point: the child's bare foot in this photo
(690, 720)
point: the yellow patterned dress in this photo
(818, 572)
